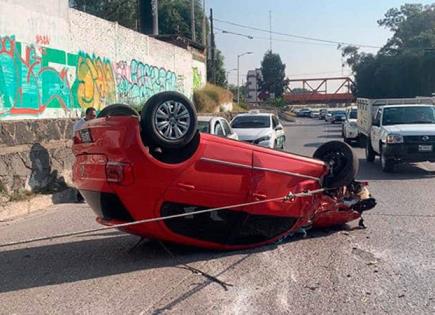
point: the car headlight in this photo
(265, 138)
(393, 139)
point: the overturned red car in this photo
(131, 167)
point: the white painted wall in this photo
(90, 48)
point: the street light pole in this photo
(238, 74)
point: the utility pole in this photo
(192, 16)
(204, 25)
(155, 10)
(213, 63)
(270, 30)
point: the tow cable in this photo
(289, 197)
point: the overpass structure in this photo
(315, 91)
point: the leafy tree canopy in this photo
(405, 65)
(273, 75)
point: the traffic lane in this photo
(89, 274)
(401, 228)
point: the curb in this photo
(12, 210)
(15, 209)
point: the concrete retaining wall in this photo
(56, 61)
(35, 155)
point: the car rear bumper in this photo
(409, 153)
(107, 206)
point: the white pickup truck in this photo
(398, 130)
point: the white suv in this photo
(259, 128)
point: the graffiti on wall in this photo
(28, 85)
(35, 78)
(95, 84)
(197, 78)
(138, 81)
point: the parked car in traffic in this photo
(322, 113)
(218, 126)
(397, 130)
(305, 112)
(350, 128)
(315, 114)
(263, 129)
(338, 117)
(329, 116)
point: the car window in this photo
(218, 129)
(408, 115)
(227, 127)
(251, 121)
(353, 114)
(204, 126)
(378, 116)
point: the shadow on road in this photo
(372, 171)
(104, 255)
(89, 259)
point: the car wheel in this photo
(370, 153)
(342, 162)
(386, 163)
(168, 121)
(118, 110)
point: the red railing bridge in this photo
(315, 91)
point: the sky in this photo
(351, 21)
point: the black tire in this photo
(370, 153)
(166, 102)
(387, 164)
(342, 161)
(118, 110)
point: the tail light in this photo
(119, 173)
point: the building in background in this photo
(253, 86)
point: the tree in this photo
(174, 15)
(175, 18)
(273, 75)
(220, 75)
(405, 66)
(122, 11)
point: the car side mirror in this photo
(376, 123)
(278, 128)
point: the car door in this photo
(279, 132)
(220, 175)
(375, 133)
(229, 133)
(219, 129)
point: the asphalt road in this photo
(387, 268)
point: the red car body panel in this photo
(221, 172)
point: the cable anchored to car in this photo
(289, 197)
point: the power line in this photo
(296, 36)
(274, 39)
